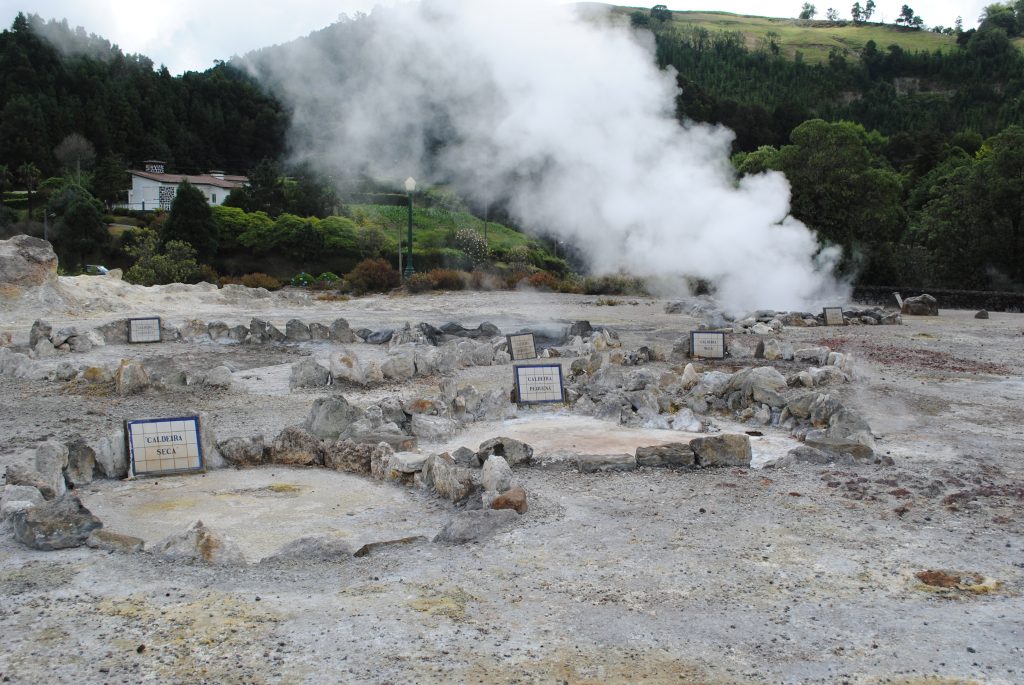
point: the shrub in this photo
(613, 284)
(175, 264)
(302, 279)
(420, 282)
(325, 281)
(542, 280)
(260, 280)
(373, 276)
(448, 279)
(473, 244)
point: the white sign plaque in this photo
(521, 346)
(144, 330)
(707, 345)
(158, 446)
(834, 316)
(539, 384)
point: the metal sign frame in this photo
(159, 329)
(693, 347)
(519, 392)
(129, 437)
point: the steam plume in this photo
(568, 119)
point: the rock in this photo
(726, 449)
(672, 454)
(496, 475)
(51, 460)
(308, 374)
(331, 416)
(686, 420)
(318, 331)
(813, 355)
(453, 483)
(761, 328)
(295, 446)
(464, 456)
(115, 332)
(981, 314)
(922, 305)
(844, 423)
(770, 349)
(81, 463)
(689, 378)
(351, 457)
(400, 366)
(514, 499)
(819, 440)
(63, 335)
(340, 332)
(408, 462)
(828, 375)
(43, 349)
(81, 343)
(433, 428)
(239, 333)
(739, 349)
(311, 548)
(345, 366)
(27, 262)
(296, 331)
(109, 541)
(366, 548)
(380, 460)
(111, 456)
(373, 373)
(380, 337)
(218, 377)
(218, 330)
(593, 463)
(17, 498)
(249, 451)
(41, 330)
(199, 545)
(62, 372)
(130, 378)
(58, 524)
(810, 455)
(516, 453)
(474, 526)
(757, 383)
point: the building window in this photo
(213, 198)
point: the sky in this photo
(190, 34)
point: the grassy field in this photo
(813, 39)
(433, 227)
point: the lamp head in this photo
(410, 184)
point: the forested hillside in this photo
(126, 109)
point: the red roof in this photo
(201, 179)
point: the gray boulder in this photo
(111, 456)
(400, 366)
(351, 457)
(341, 332)
(308, 374)
(475, 526)
(433, 428)
(466, 457)
(27, 262)
(130, 378)
(218, 330)
(18, 498)
(816, 356)
(199, 545)
(805, 454)
(311, 548)
(726, 449)
(243, 451)
(58, 524)
(318, 331)
(297, 447)
(593, 463)
(451, 482)
(345, 366)
(672, 454)
(19, 474)
(81, 463)
(51, 460)
(331, 416)
(41, 330)
(109, 541)
(848, 447)
(296, 331)
(218, 377)
(496, 475)
(983, 314)
(922, 305)
(515, 453)
(114, 332)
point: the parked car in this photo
(96, 270)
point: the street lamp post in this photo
(410, 187)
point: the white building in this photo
(152, 188)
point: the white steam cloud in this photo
(565, 117)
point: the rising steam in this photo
(566, 118)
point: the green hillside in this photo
(814, 40)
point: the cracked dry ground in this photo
(907, 574)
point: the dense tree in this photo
(808, 11)
(79, 232)
(75, 153)
(661, 13)
(30, 176)
(175, 262)
(191, 221)
(110, 180)
(832, 14)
